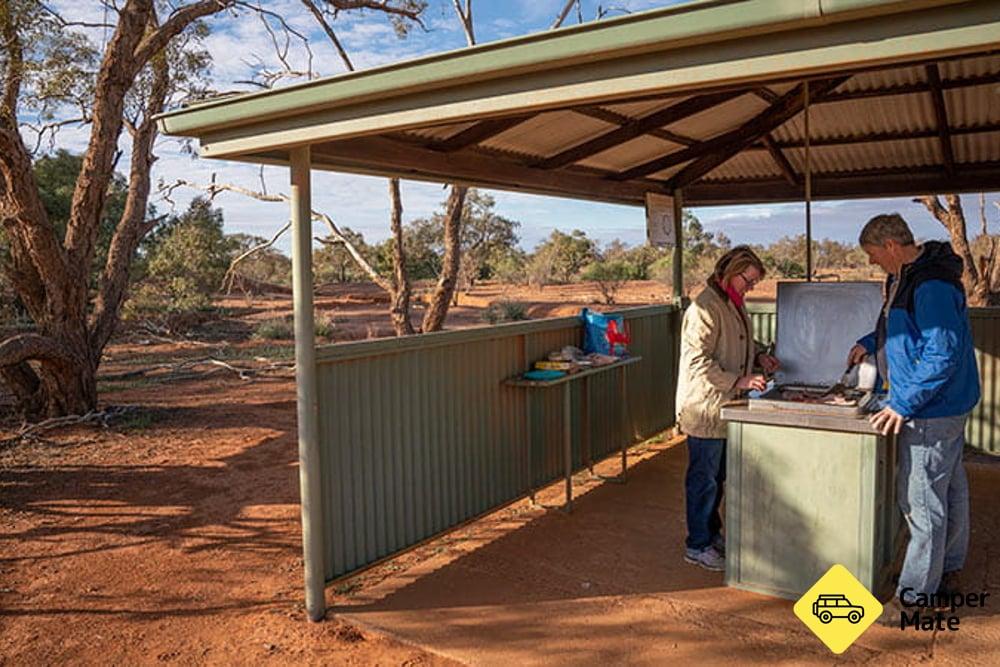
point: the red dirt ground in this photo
(174, 536)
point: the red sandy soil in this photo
(173, 535)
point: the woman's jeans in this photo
(704, 483)
(933, 495)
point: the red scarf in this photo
(734, 296)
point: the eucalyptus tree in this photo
(55, 72)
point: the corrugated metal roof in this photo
(722, 118)
(868, 126)
(548, 133)
(439, 132)
(630, 153)
(613, 129)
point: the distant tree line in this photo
(182, 264)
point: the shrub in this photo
(284, 329)
(278, 329)
(609, 276)
(324, 327)
(505, 311)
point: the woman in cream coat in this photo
(718, 355)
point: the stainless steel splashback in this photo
(817, 325)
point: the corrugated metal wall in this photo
(764, 318)
(983, 431)
(419, 434)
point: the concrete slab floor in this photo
(607, 584)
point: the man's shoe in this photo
(708, 558)
(719, 544)
(892, 614)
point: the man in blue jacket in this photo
(923, 347)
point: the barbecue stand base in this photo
(805, 492)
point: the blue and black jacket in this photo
(926, 341)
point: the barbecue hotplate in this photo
(817, 325)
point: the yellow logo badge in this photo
(838, 608)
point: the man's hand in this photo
(887, 421)
(768, 362)
(856, 355)
(757, 382)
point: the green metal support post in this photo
(305, 382)
(678, 248)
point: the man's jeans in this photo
(933, 494)
(706, 477)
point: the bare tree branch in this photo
(982, 214)
(71, 24)
(227, 280)
(311, 6)
(465, 17)
(180, 19)
(563, 13)
(335, 233)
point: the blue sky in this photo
(361, 203)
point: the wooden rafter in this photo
(479, 132)
(913, 88)
(779, 158)
(895, 135)
(788, 106)
(710, 153)
(407, 159)
(636, 128)
(618, 119)
(941, 116)
(902, 181)
(766, 94)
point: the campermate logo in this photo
(838, 609)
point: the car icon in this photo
(828, 607)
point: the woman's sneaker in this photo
(708, 558)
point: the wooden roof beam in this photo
(766, 94)
(479, 132)
(754, 130)
(941, 115)
(636, 128)
(779, 159)
(472, 167)
(914, 88)
(882, 136)
(903, 181)
(618, 119)
(729, 143)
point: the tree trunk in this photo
(399, 308)
(66, 378)
(977, 286)
(438, 309)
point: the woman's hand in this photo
(768, 362)
(758, 382)
(856, 355)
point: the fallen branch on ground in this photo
(184, 370)
(94, 417)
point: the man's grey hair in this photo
(885, 227)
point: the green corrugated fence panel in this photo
(764, 319)
(419, 434)
(983, 430)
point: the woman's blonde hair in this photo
(735, 262)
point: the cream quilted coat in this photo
(716, 349)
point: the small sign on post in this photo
(660, 220)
